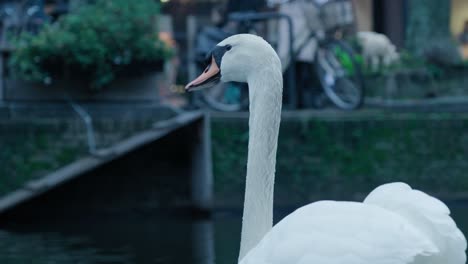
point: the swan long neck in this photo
(265, 94)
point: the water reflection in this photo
(117, 239)
(55, 248)
(203, 242)
(135, 239)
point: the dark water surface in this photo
(139, 238)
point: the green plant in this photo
(347, 61)
(96, 43)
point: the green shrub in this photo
(96, 43)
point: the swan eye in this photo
(228, 47)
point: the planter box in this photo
(144, 88)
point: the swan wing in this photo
(428, 214)
(330, 232)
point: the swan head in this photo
(236, 59)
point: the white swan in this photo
(394, 225)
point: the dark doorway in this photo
(378, 13)
(390, 19)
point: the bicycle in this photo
(19, 17)
(335, 62)
(229, 97)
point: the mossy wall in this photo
(33, 148)
(320, 156)
(345, 157)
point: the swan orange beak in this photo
(208, 78)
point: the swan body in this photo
(393, 225)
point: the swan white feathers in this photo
(394, 225)
(428, 214)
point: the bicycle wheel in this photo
(226, 97)
(340, 75)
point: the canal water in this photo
(140, 238)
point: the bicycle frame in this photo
(322, 36)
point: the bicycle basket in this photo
(337, 14)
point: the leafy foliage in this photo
(346, 60)
(98, 42)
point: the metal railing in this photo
(88, 121)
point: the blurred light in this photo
(165, 1)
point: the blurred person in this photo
(220, 13)
(242, 6)
(168, 88)
(305, 22)
(54, 9)
(222, 27)
(245, 6)
(463, 37)
(217, 15)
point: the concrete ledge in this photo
(118, 110)
(449, 103)
(339, 115)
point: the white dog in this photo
(377, 49)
